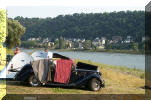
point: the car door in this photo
(76, 75)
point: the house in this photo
(116, 39)
(34, 39)
(80, 45)
(31, 39)
(103, 39)
(50, 44)
(69, 43)
(99, 43)
(129, 39)
(110, 41)
(100, 47)
(97, 39)
(46, 40)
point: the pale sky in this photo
(53, 8)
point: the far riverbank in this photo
(97, 50)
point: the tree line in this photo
(88, 26)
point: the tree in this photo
(135, 46)
(28, 44)
(2, 26)
(61, 43)
(107, 45)
(15, 31)
(56, 44)
(143, 47)
(87, 44)
(75, 44)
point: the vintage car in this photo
(81, 75)
(21, 68)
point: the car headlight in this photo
(98, 70)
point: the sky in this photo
(53, 8)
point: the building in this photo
(129, 39)
(46, 40)
(103, 39)
(116, 39)
(80, 45)
(34, 39)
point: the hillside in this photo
(87, 26)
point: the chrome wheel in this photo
(94, 84)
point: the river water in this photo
(117, 59)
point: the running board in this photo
(55, 84)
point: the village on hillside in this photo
(83, 44)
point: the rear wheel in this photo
(94, 84)
(33, 81)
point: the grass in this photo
(2, 89)
(125, 70)
(117, 79)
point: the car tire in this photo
(94, 84)
(33, 81)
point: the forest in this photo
(88, 26)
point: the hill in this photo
(88, 26)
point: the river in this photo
(117, 59)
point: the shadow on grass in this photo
(66, 87)
(23, 84)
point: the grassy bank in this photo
(119, 80)
(103, 50)
(125, 70)
(93, 50)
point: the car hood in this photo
(81, 65)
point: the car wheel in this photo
(94, 84)
(33, 81)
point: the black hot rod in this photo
(82, 75)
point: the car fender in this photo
(89, 77)
(24, 74)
